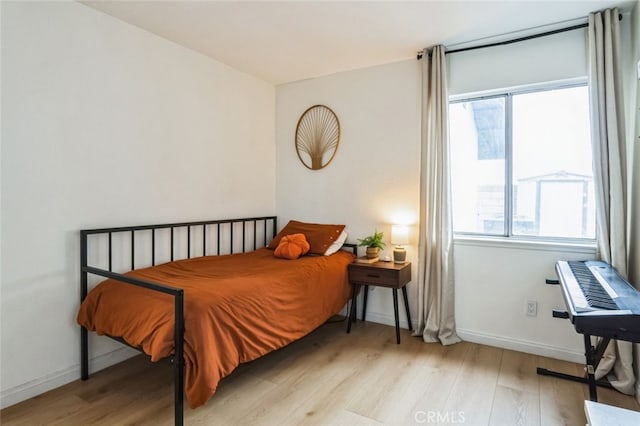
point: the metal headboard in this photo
(248, 228)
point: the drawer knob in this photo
(373, 276)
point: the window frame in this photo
(508, 94)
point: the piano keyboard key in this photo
(596, 296)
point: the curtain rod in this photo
(516, 40)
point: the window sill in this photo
(589, 248)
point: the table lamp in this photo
(399, 237)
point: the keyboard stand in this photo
(593, 357)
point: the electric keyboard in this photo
(599, 301)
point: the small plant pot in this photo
(372, 252)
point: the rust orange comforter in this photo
(237, 308)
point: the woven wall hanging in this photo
(317, 137)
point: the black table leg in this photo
(395, 312)
(352, 313)
(364, 302)
(406, 307)
(354, 305)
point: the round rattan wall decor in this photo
(317, 137)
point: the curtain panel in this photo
(436, 322)
(610, 172)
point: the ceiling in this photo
(285, 41)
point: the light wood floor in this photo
(334, 378)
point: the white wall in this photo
(495, 280)
(375, 176)
(493, 283)
(104, 124)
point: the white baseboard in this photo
(521, 345)
(54, 380)
(385, 319)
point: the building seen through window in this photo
(537, 141)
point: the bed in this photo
(220, 299)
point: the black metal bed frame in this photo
(267, 224)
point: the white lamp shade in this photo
(399, 235)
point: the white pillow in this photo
(337, 244)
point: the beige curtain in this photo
(436, 321)
(610, 172)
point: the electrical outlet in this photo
(532, 308)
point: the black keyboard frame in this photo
(611, 318)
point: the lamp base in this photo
(399, 255)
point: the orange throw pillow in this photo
(292, 246)
(319, 236)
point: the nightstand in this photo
(381, 274)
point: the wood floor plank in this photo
(516, 401)
(515, 407)
(472, 394)
(344, 417)
(334, 378)
(386, 378)
(517, 371)
(334, 390)
(432, 384)
(561, 401)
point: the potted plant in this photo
(373, 243)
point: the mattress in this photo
(236, 308)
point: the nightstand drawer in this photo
(382, 274)
(373, 276)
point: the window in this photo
(539, 141)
